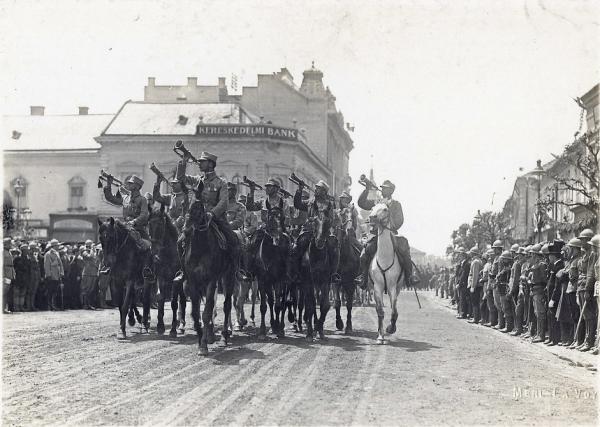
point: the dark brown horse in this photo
(348, 270)
(316, 271)
(205, 262)
(270, 265)
(165, 262)
(126, 263)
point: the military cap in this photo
(460, 250)
(474, 251)
(497, 244)
(33, 244)
(53, 243)
(88, 242)
(388, 184)
(556, 246)
(489, 252)
(273, 182)
(205, 155)
(346, 195)
(522, 250)
(595, 241)
(575, 243)
(586, 234)
(24, 246)
(506, 255)
(535, 249)
(514, 248)
(322, 184)
(148, 196)
(134, 179)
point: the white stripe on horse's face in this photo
(380, 214)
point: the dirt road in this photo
(68, 368)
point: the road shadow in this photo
(233, 356)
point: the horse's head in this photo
(112, 237)
(380, 216)
(158, 228)
(275, 217)
(197, 214)
(320, 226)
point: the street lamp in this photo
(18, 187)
(539, 172)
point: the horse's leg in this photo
(195, 300)
(393, 293)
(160, 300)
(182, 306)
(339, 323)
(380, 313)
(125, 305)
(118, 299)
(301, 306)
(228, 292)
(282, 299)
(209, 312)
(309, 305)
(174, 308)
(146, 301)
(271, 300)
(349, 289)
(291, 302)
(131, 316)
(324, 308)
(262, 332)
(254, 296)
(279, 309)
(244, 291)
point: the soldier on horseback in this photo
(236, 211)
(396, 221)
(214, 194)
(272, 189)
(177, 201)
(347, 219)
(321, 206)
(135, 210)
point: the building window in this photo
(77, 194)
(19, 187)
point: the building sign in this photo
(245, 131)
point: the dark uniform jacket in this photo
(260, 205)
(582, 268)
(236, 214)
(177, 203)
(214, 193)
(314, 208)
(135, 206)
(553, 285)
(465, 269)
(22, 267)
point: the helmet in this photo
(556, 246)
(134, 179)
(474, 251)
(522, 251)
(595, 241)
(575, 243)
(460, 250)
(322, 184)
(586, 234)
(514, 248)
(506, 255)
(497, 244)
(545, 249)
(536, 249)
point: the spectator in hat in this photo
(73, 279)
(54, 272)
(35, 278)
(89, 276)
(22, 267)
(9, 274)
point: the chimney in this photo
(37, 110)
(151, 81)
(83, 111)
(192, 81)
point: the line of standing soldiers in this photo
(546, 292)
(231, 214)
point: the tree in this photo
(462, 236)
(583, 155)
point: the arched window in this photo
(77, 193)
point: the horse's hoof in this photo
(322, 336)
(380, 341)
(173, 333)
(160, 331)
(339, 324)
(253, 324)
(243, 323)
(348, 330)
(121, 335)
(238, 328)
(261, 337)
(211, 338)
(300, 327)
(131, 321)
(203, 351)
(181, 331)
(281, 334)
(295, 327)
(390, 329)
(291, 317)
(308, 339)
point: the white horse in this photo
(385, 271)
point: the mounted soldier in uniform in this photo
(347, 220)
(135, 210)
(214, 194)
(236, 211)
(177, 201)
(320, 206)
(396, 221)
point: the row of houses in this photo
(558, 198)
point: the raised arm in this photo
(298, 202)
(365, 203)
(116, 199)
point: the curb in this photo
(573, 357)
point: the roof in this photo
(53, 132)
(146, 118)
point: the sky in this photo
(448, 98)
